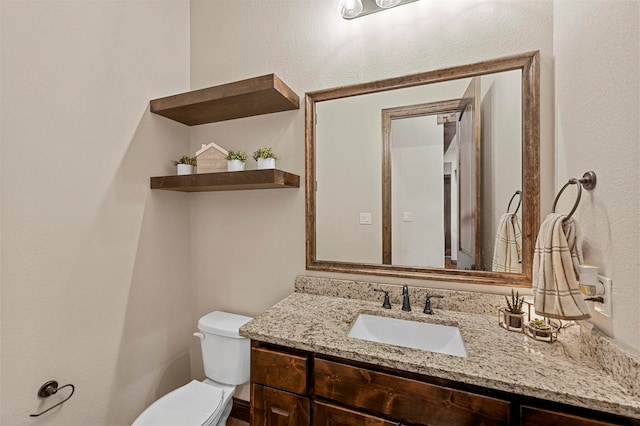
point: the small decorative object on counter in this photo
(540, 330)
(512, 317)
(185, 165)
(235, 161)
(211, 159)
(266, 158)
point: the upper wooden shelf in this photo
(245, 98)
(227, 181)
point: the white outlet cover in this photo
(605, 308)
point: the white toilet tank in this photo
(225, 354)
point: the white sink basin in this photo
(411, 334)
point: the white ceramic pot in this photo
(235, 165)
(266, 163)
(185, 169)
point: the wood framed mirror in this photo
(411, 176)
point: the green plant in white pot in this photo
(235, 161)
(185, 165)
(266, 158)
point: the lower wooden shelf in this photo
(227, 181)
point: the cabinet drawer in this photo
(405, 399)
(330, 415)
(279, 370)
(531, 416)
(275, 407)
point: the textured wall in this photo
(95, 279)
(248, 246)
(597, 58)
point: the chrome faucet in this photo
(427, 304)
(406, 304)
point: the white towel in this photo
(557, 255)
(507, 252)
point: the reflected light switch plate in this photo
(407, 217)
(365, 218)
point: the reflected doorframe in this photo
(388, 115)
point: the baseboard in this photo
(241, 410)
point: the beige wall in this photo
(95, 281)
(103, 280)
(597, 58)
(247, 247)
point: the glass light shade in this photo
(385, 4)
(350, 8)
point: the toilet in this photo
(225, 355)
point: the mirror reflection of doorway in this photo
(422, 213)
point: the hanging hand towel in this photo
(557, 255)
(506, 249)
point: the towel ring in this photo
(518, 192)
(51, 388)
(588, 181)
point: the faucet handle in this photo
(386, 304)
(427, 303)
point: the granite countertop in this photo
(554, 372)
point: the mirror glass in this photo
(422, 176)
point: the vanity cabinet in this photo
(532, 416)
(413, 401)
(325, 414)
(293, 387)
(279, 388)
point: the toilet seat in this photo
(194, 404)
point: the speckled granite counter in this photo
(320, 324)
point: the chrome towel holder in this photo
(588, 181)
(50, 388)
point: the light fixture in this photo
(385, 4)
(350, 9)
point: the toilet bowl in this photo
(225, 356)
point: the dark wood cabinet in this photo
(532, 416)
(293, 387)
(279, 388)
(274, 407)
(325, 414)
(408, 400)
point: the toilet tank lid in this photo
(223, 323)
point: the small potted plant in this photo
(512, 317)
(185, 165)
(540, 330)
(266, 158)
(235, 161)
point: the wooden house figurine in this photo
(211, 159)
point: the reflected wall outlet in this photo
(605, 308)
(365, 218)
(407, 217)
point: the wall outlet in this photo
(407, 217)
(605, 308)
(365, 218)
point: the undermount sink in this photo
(411, 334)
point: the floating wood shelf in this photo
(245, 98)
(227, 181)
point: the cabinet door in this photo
(331, 415)
(273, 407)
(406, 399)
(531, 416)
